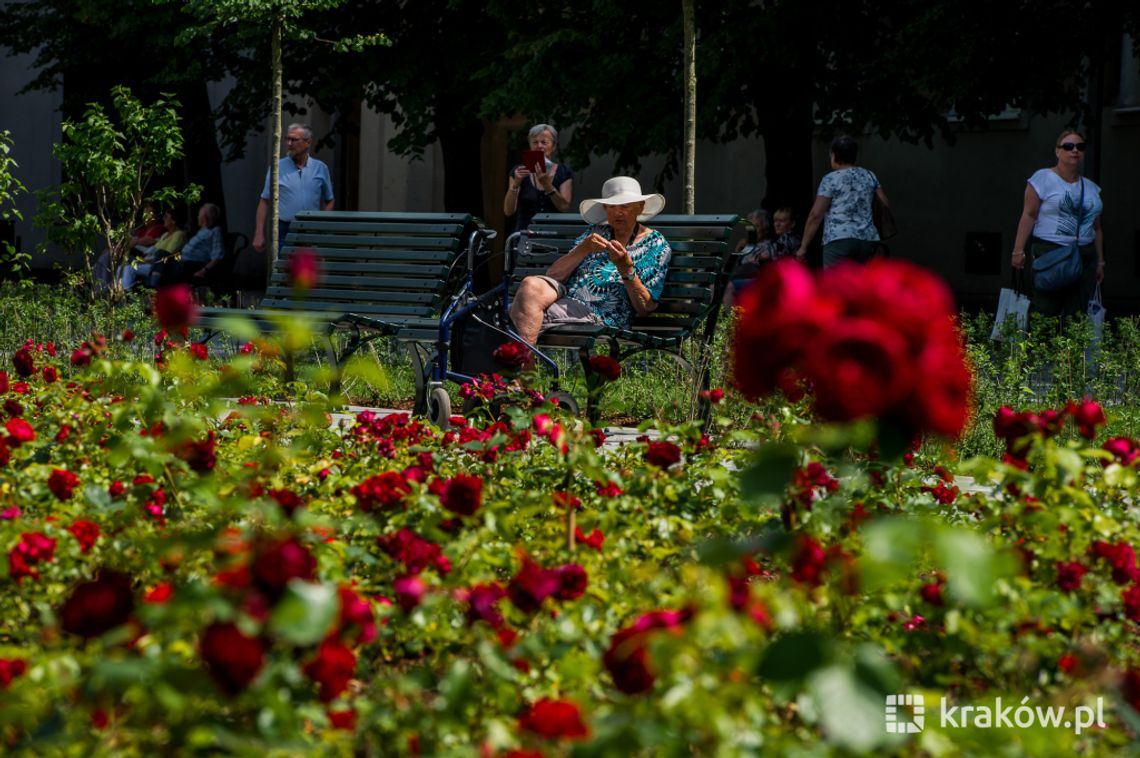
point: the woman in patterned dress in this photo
(616, 268)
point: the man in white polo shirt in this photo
(304, 185)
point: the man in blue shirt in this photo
(304, 185)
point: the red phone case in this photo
(533, 158)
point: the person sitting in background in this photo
(786, 242)
(615, 269)
(758, 234)
(169, 244)
(204, 251)
(143, 236)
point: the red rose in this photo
(512, 356)
(859, 369)
(24, 363)
(1120, 556)
(345, 720)
(462, 494)
(932, 593)
(1069, 575)
(3, 382)
(356, 613)
(605, 367)
(662, 454)
(554, 719)
(304, 269)
(50, 374)
(779, 314)
(33, 548)
(482, 601)
(593, 540)
(414, 552)
(532, 584)
(19, 432)
(174, 308)
(1123, 449)
(409, 591)
(234, 659)
(332, 669)
(1088, 414)
(10, 669)
(200, 456)
(892, 292)
(1131, 598)
(941, 399)
(627, 657)
(162, 592)
(62, 483)
(278, 563)
(808, 561)
(381, 491)
(98, 606)
(572, 582)
(128, 336)
(87, 532)
(199, 351)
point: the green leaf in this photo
(970, 566)
(793, 657)
(850, 712)
(770, 472)
(306, 612)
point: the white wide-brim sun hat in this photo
(618, 191)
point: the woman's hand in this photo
(544, 179)
(619, 256)
(517, 176)
(1017, 260)
(801, 254)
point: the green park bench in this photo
(381, 275)
(689, 308)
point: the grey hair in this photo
(763, 215)
(212, 213)
(304, 128)
(538, 129)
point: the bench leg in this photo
(422, 368)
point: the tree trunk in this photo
(202, 163)
(788, 162)
(274, 149)
(690, 69)
(461, 146)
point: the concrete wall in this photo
(33, 119)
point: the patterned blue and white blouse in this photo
(849, 216)
(597, 283)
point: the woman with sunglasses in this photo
(1053, 208)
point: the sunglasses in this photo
(1068, 146)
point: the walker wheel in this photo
(439, 407)
(565, 401)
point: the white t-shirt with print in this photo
(1057, 219)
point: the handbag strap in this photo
(1017, 280)
(1080, 211)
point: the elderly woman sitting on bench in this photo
(615, 269)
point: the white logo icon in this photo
(898, 723)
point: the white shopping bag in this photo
(1011, 304)
(1096, 316)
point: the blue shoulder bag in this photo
(1061, 267)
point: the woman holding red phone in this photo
(545, 187)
